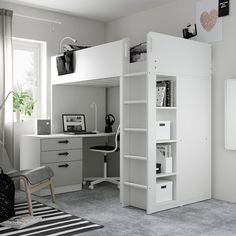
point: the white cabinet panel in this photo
(194, 125)
(175, 55)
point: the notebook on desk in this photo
(75, 124)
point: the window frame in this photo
(40, 59)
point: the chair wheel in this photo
(84, 182)
(91, 187)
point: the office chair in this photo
(34, 180)
(106, 150)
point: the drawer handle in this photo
(63, 141)
(66, 165)
(164, 186)
(63, 153)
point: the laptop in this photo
(74, 124)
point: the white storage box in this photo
(162, 130)
(164, 190)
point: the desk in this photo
(62, 152)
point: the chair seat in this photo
(104, 148)
(34, 176)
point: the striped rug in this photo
(55, 222)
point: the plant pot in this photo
(17, 114)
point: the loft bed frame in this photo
(187, 63)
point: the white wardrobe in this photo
(188, 64)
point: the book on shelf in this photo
(164, 157)
(165, 149)
(20, 222)
(165, 93)
(160, 93)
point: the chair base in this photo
(29, 189)
(113, 180)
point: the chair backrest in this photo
(5, 163)
(117, 137)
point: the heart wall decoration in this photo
(209, 25)
(208, 20)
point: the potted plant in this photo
(23, 103)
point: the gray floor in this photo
(102, 206)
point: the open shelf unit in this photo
(186, 64)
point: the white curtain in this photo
(6, 113)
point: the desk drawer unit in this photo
(61, 155)
(67, 173)
(64, 155)
(60, 144)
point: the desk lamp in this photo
(74, 40)
(96, 116)
(2, 105)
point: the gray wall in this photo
(170, 19)
(87, 32)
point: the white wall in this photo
(170, 19)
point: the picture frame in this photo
(74, 123)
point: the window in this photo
(29, 59)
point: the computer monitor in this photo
(74, 123)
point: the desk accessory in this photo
(43, 127)
(110, 120)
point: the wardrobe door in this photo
(194, 132)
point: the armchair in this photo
(34, 179)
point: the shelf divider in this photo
(161, 175)
(166, 141)
(135, 129)
(128, 102)
(141, 158)
(142, 73)
(135, 185)
(166, 108)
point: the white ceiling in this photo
(101, 10)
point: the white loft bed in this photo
(100, 65)
(186, 62)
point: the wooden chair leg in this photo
(28, 196)
(51, 190)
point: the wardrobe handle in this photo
(60, 166)
(63, 141)
(63, 153)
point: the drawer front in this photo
(61, 144)
(61, 155)
(67, 173)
